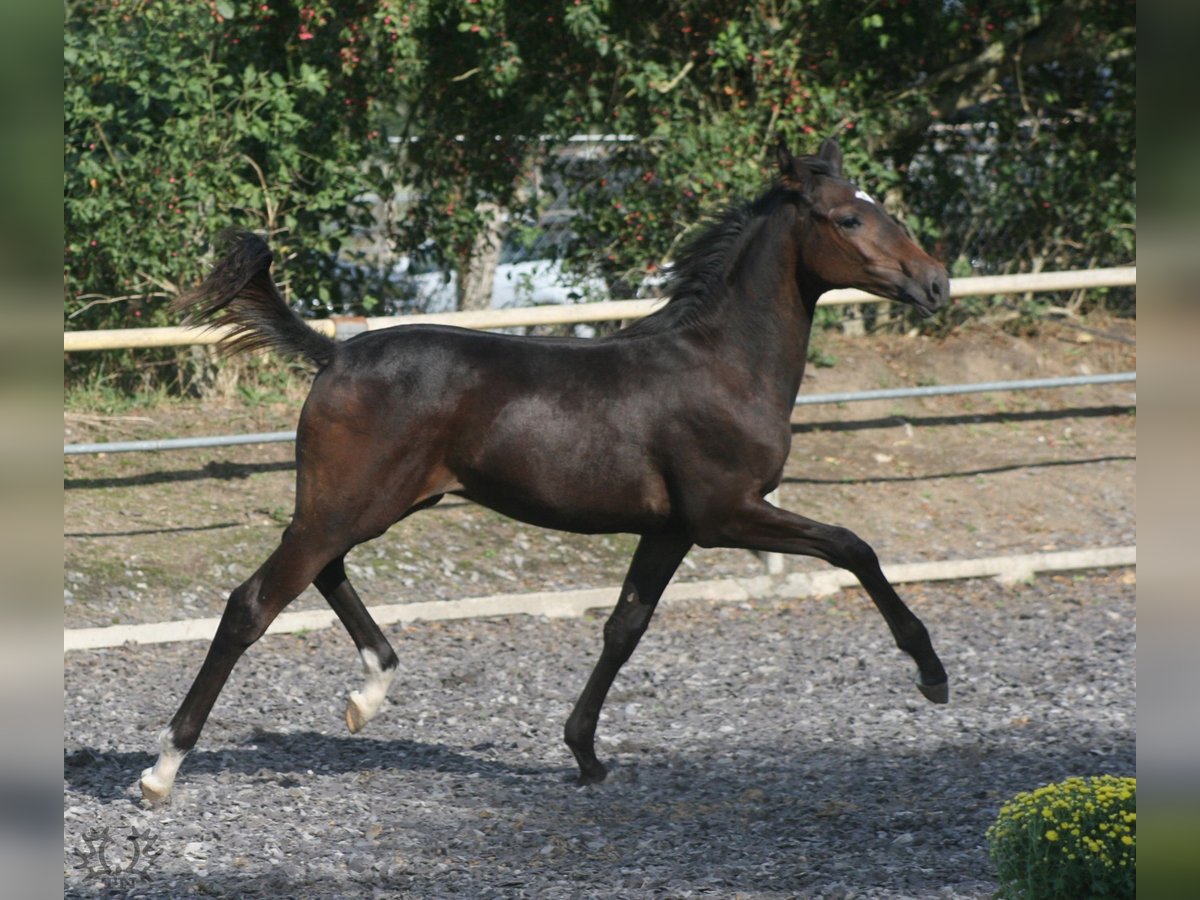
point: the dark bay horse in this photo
(673, 429)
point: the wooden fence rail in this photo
(571, 314)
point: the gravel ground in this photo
(774, 749)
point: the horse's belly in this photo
(566, 460)
(584, 520)
(590, 499)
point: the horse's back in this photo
(420, 363)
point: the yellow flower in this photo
(1126, 840)
(1052, 835)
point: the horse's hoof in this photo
(154, 789)
(356, 715)
(593, 775)
(936, 693)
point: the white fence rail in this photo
(133, 338)
(572, 314)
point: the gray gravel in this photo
(775, 749)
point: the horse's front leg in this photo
(654, 562)
(758, 525)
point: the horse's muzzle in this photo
(930, 289)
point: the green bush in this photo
(1071, 840)
(181, 119)
(1004, 134)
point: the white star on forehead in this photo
(863, 195)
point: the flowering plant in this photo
(1073, 839)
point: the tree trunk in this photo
(203, 374)
(477, 269)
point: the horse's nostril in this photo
(939, 289)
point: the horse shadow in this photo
(110, 775)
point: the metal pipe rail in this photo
(577, 313)
(979, 387)
(843, 397)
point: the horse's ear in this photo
(832, 154)
(791, 171)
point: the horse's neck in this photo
(765, 317)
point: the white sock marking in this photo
(158, 780)
(370, 698)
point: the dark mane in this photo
(699, 269)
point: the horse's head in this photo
(847, 240)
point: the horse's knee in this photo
(851, 551)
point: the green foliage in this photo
(102, 395)
(1073, 840)
(183, 118)
(1037, 169)
(1002, 133)
(819, 357)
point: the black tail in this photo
(239, 294)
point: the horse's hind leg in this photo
(251, 607)
(378, 657)
(654, 562)
(761, 526)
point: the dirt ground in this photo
(158, 536)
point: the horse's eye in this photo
(849, 222)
